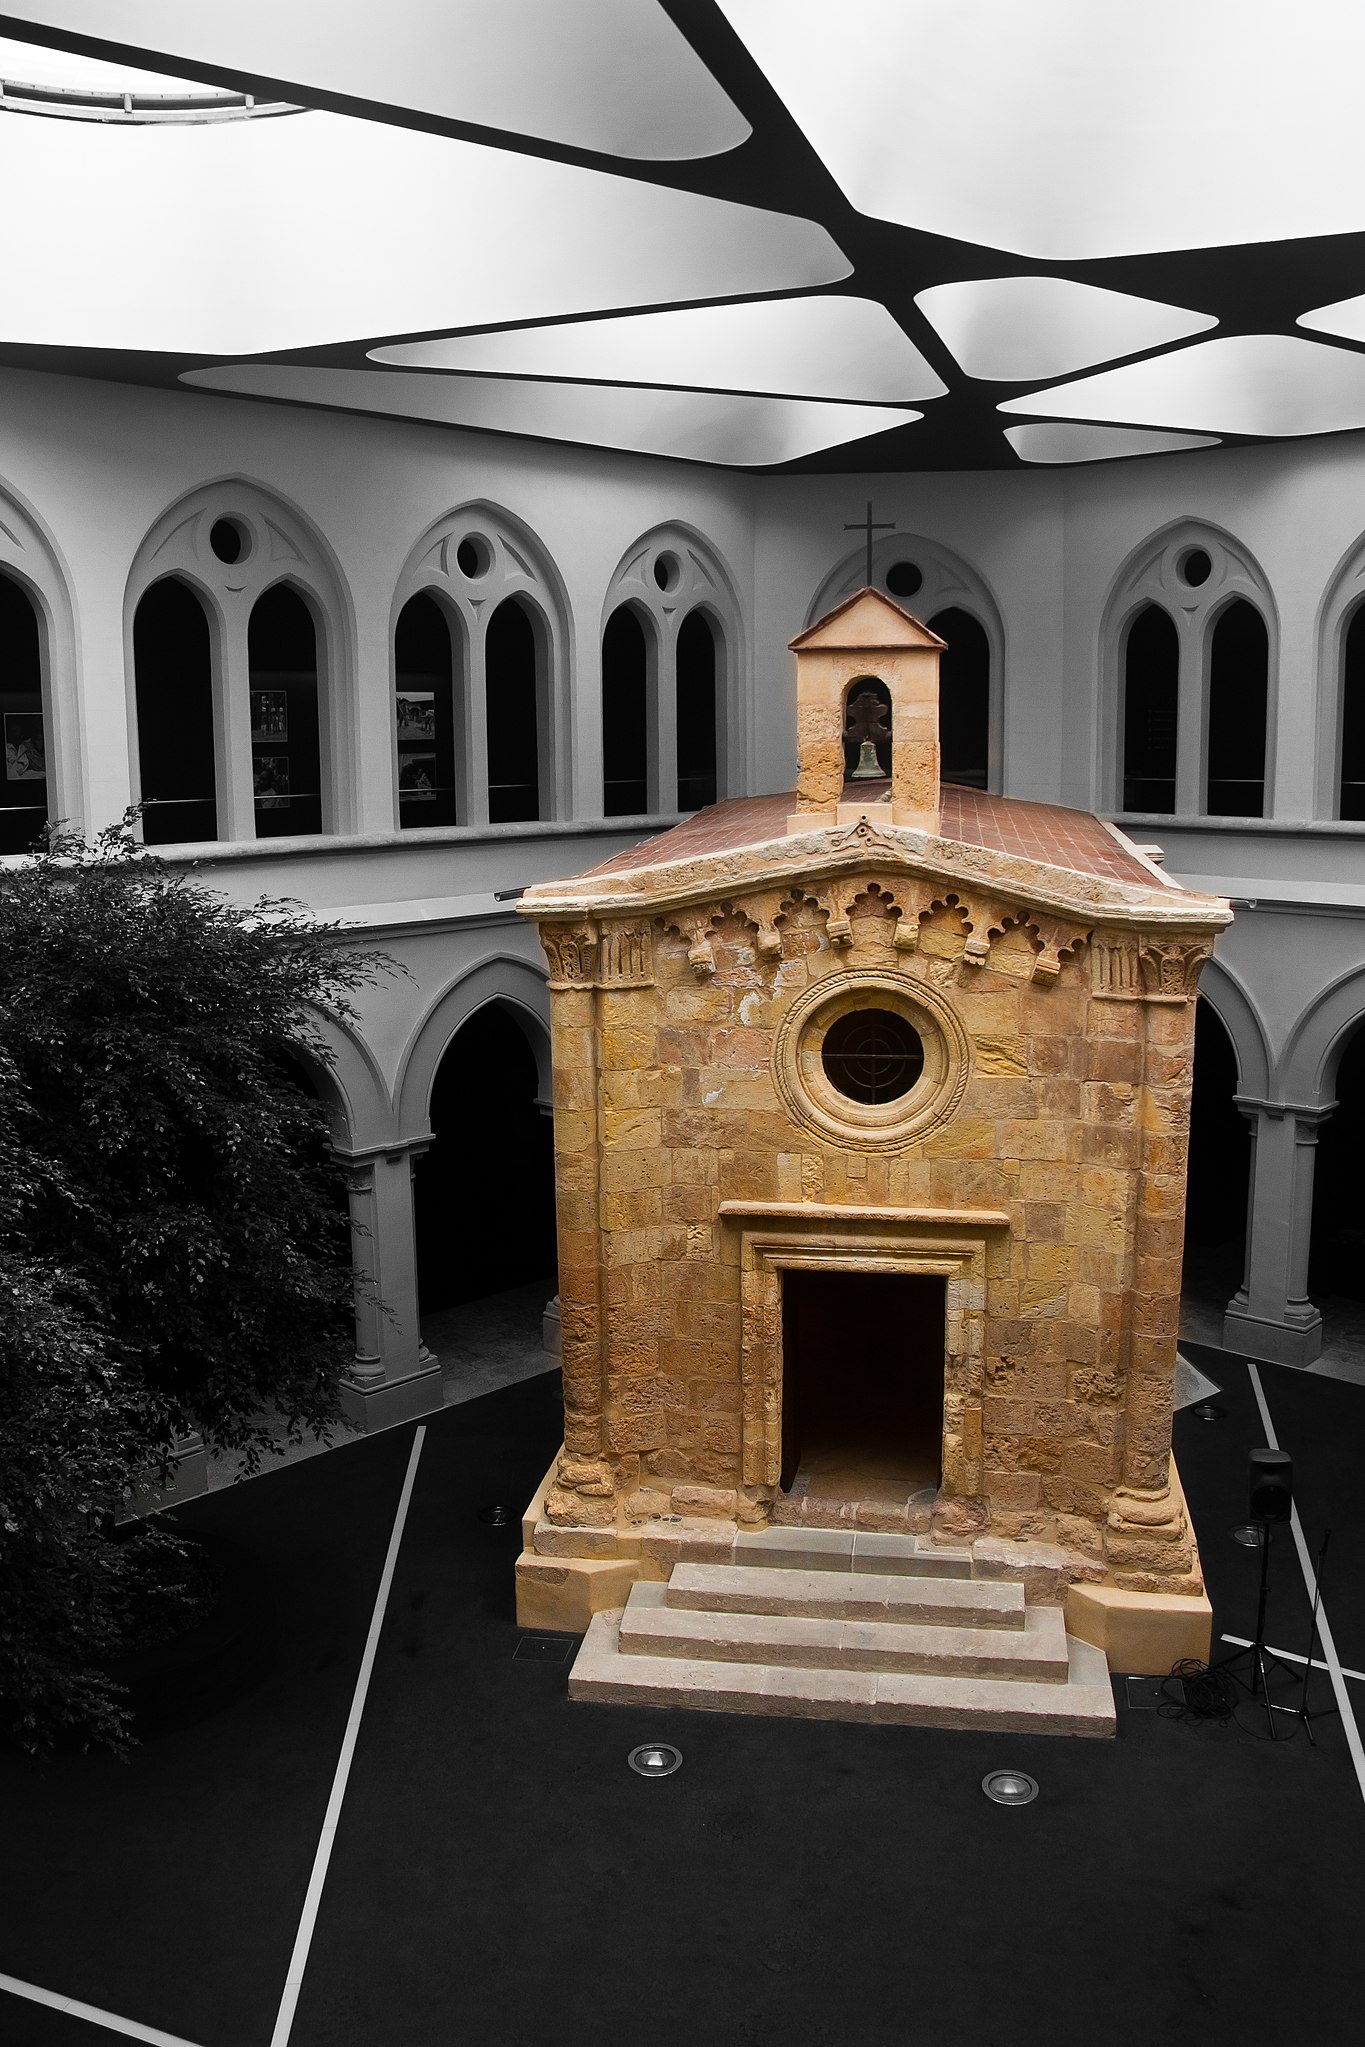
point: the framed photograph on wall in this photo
(269, 714)
(417, 777)
(25, 747)
(416, 713)
(270, 780)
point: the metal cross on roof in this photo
(869, 526)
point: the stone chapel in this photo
(871, 1109)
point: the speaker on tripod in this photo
(1271, 1487)
(1270, 1503)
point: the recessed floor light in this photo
(1010, 1787)
(655, 1759)
(498, 1516)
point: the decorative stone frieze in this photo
(571, 950)
(625, 957)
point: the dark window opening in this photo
(904, 579)
(24, 793)
(1352, 791)
(1239, 667)
(424, 714)
(173, 681)
(1195, 567)
(872, 1055)
(1219, 1175)
(862, 1384)
(1336, 1263)
(964, 696)
(286, 762)
(1151, 689)
(512, 667)
(625, 715)
(697, 712)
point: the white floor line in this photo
(298, 1961)
(1292, 1656)
(1329, 1648)
(73, 2008)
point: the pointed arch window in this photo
(515, 685)
(964, 694)
(173, 682)
(625, 714)
(696, 712)
(24, 803)
(1151, 694)
(1239, 672)
(286, 762)
(424, 714)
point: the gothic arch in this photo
(1242, 1021)
(352, 1085)
(515, 986)
(30, 557)
(470, 561)
(1341, 601)
(1154, 572)
(279, 545)
(1307, 1068)
(666, 574)
(947, 581)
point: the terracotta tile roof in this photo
(1045, 832)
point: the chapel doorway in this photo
(862, 1384)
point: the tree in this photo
(174, 1249)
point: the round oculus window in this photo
(872, 1055)
(1195, 567)
(904, 579)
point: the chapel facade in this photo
(871, 1112)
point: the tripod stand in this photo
(1256, 1656)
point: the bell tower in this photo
(867, 717)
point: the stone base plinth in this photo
(1275, 1343)
(1141, 1633)
(391, 1401)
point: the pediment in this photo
(867, 620)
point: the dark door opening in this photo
(862, 1387)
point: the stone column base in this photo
(1295, 1342)
(387, 1402)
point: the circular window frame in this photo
(246, 539)
(810, 1096)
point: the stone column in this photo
(1270, 1316)
(392, 1378)
(661, 699)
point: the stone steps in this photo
(1084, 1704)
(846, 1595)
(843, 1549)
(653, 1626)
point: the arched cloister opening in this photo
(1218, 1182)
(696, 711)
(286, 761)
(424, 714)
(173, 681)
(517, 712)
(1351, 755)
(1336, 1256)
(625, 714)
(1239, 679)
(964, 696)
(485, 1204)
(1151, 694)
(24, 803)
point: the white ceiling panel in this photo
(1069, 440)
(1346, 318)
(1065, 129)
(828, 347)
(1013, 329)
(31, 64)
(310, 228)
(1263, 384)
(744, 432)
(609, 75)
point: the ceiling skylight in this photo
(1057, 440)
(832, 347)
(608, 75)
(1013, 329)
(745, 432)
(1346, 318)
(32, 64)
(1271, 384)
(1066, 129)
(262, 235)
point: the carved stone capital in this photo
(571, 950)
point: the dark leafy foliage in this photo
(174, 1250)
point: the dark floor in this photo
(501, 1877)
